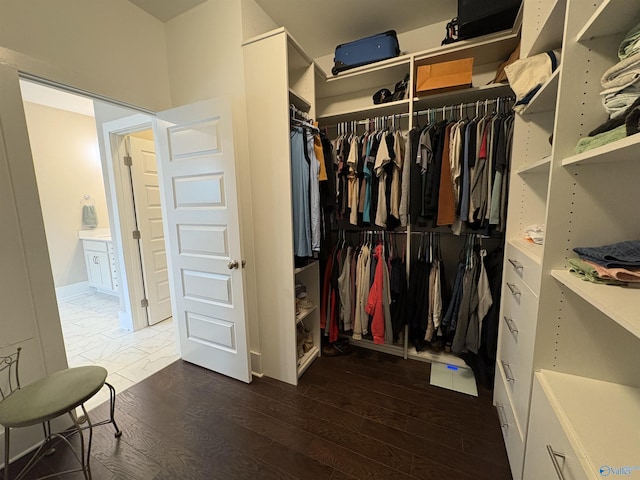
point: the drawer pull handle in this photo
(515, 291)
(554, 459)
(502, 417)
(507, 372)
(511, 325)
(516, 264)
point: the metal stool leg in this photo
(6, 453)
(112, 408)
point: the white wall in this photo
(64, 146)
(255, 20)
(108, 47)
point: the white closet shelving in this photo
(585, 346)
(532, 158)
(348, 96)
(278, 73)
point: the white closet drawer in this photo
(517, 338)
(510, 432)
(94, 245)
(549, 453)
(523, 266)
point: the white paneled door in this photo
(202, 234)
(146, 194)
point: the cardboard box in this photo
(444, 77)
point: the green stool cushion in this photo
(51, 396)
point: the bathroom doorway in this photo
(85, 240)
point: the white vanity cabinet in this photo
(100, 262)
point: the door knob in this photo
(233, 264)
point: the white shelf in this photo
(541, 166)
(383, 109)
(368, 78)
(306, 361)
(305, 313)
(532, 250)
(545, 99)
(298, 101)
(397, 350)
(613, 16)
(492, 48)
(550, 33)
(427, 356)
(621, 304)
(306, 267)
(623, 150)
(600, 419)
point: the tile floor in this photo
(92, 336)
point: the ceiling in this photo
(320, 25)
(165, 10)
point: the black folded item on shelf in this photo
(479, 17)
(384, 95)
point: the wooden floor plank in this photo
(362, 416)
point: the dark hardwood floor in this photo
(363, 416)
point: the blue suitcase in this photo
(366, 50)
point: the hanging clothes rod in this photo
(445, 108)
(296, 111)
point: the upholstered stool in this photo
(50, 397)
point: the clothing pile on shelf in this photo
(613, 264)
(620, 97)
(445, 173)
(528, 75)
(364, 292)
(535, 234)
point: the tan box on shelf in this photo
(444, 77)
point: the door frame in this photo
(132, 288)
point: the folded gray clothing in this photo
(615, 255)
(616, 103)
(614, 122)
(622, 74)
(631, 43)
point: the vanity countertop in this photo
(103, 234)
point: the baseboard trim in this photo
(73, 289)
(256, 364)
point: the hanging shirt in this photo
(300, 174)
(344, 283)
(375, 306)
(314, 191)
(398, 146)
(403, 209)
(383, 157)
(446, 200)
(352, 176)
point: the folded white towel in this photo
(622, 75)
(617, 103)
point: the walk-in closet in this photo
(555, 339)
